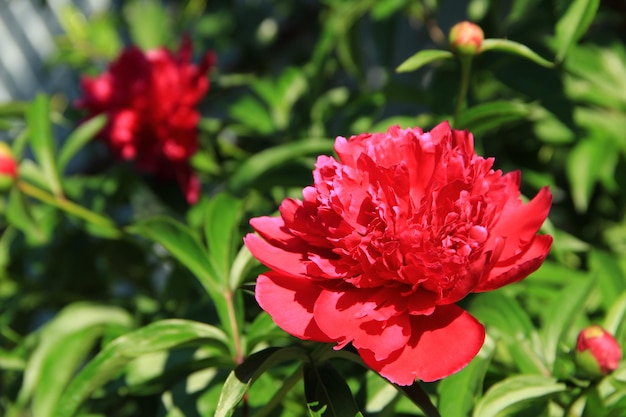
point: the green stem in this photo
(232, 321)
(277, 398)
(65, 205)
(466, 67)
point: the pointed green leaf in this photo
(515, 48)
(486, 116)
(149, 23)
(42, 142)
(63, 344)
(583, 166)
(181, 242)
(326, 389)
(159, 336)
(244, 375)
(616, 316)
(457, 393)
(513, 392)
(573, 24)
(561, 314)
(78, 138)
(222, 231)
(260, 163)
(423, 57)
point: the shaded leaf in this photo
(326, 390)
(244, 375)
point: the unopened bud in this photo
(597, 352)
(8, 167)
(466, 38)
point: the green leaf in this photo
(486, 116)
(515, 48)
(583, 166)
(159, 336)
(561, 314)
(514, 392)
(423, 57)
(616, 315)
(222, 232)
(611, 282)
(78, 138)
(150, 25)
(63, 344)
(246, 373)
(42, 142)
(260, 163)
(326, 389)
(18, 214)
(457, 392)
(573, 24)
(180, 241)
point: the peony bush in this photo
(318, 209)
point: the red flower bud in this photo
(8, 167)
(597, 352)
(466, 38)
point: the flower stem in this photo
(67, 206)
(232, 322)
(466, 67)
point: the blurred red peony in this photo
(388, 239)
(150, 99)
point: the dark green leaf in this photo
(423, 57)
(326, 389)
(258, 164)
(515, 48)
(159, 336)
(514, 391)
(42, 142)
(180, 241)
(485, 116)
(78, 138)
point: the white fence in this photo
(27, 31)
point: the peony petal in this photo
(354, 316)
(289, 263)
(290, 303)
(274, 231)
(519, 267)
(519, 223)
(440, 345)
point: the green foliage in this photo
(119, 299)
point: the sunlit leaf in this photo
(42, 142)
(573, 24)
(78, 138)
(515, 48)
(513, 392)
(423, 57)
(221, 231)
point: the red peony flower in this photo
(388, 239)
(150, 99)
